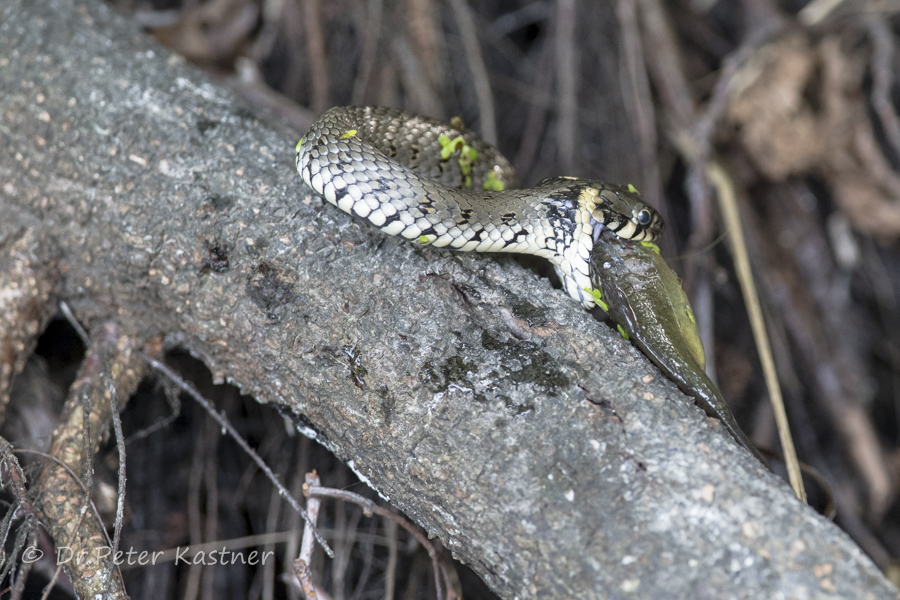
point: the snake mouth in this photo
(598, 228)
(621, 210)
(631, 229)
(625, 228)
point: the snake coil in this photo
(440, 184)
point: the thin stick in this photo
(390, 571)
(883, 79)
(189, 389)
(79, 329)
(567, 83)
(371, 38)
(120, 446)
(301, 565)
(318, 57)
(728, 205)
(29, 521)
(480, 80)
(369, 509)
(639, 102)
(538, 105)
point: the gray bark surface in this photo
(540, 447)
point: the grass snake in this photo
(438, 183)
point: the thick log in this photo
(540, 447)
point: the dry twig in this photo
(567, 59)
(226, 426)
(440, 571)
(318, 59)
(304, 560)
(26, 537)
(468, 32)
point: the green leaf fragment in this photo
(467, 154)
(632, 189)
(652, 246)
(448, 146)
(493, 183)
(300, 143)
(423, 239)
(348, 134)
(597, 295)
(622, 332)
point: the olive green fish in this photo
(644, 297)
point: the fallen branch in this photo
(540, 447)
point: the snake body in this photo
(425, 180)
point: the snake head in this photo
(622, 210)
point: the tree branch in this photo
(540, 447)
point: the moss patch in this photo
(538, 367)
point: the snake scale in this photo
(438, 183)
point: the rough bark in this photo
(539, 447)
(28, 278)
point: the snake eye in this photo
(644, 217)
